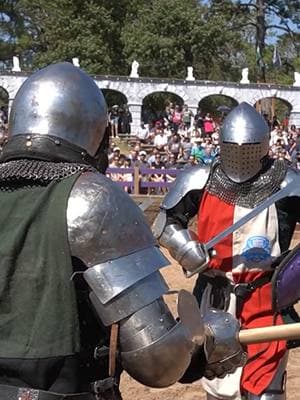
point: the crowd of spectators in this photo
(180, 139)
(177, 140)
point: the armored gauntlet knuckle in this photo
(222, 348)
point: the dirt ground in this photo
(131, 390)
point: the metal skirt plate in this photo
(139, 320)
(131, 300)
(151, 333)
(109, 279)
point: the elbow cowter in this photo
(150, 338)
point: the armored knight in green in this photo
(77, 257)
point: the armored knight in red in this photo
(236, 277)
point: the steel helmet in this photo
(59, 113)
(244, 142)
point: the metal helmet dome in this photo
(244, 142)
(59, 104)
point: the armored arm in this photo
(171, 225)
(110, 235)
(221, 350)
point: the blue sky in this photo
(271, 38)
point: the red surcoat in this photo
(245, 256)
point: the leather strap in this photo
(114, 333)
(44, 147)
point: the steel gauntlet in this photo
(185, 248)
(221, 346)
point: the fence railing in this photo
(140, 180)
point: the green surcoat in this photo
(38, 311)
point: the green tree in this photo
(14, 37)
(266, 16)
(63, 29)
(216, 37)
(258, 20)
(169, 35)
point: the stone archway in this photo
(274, 108)
(114, 97)
(155, 103)
(217, 105)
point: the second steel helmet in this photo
(244, 142)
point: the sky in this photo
(272, 37)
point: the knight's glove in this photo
(221, 346)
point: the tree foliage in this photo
(218, 37)
(267, 16)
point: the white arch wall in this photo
(192, 94)
(136, 89)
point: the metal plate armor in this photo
(193, 178)
(243, 143)
(182, 243)
(58, 95)
(110, 235)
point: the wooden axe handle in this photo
(269, 333)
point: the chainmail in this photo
(247, 194)
(27, 173)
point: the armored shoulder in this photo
(104, 223)
(194, 178)
(110, 234)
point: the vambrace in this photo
(185, 248)
(170, 226)
(129, 291)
